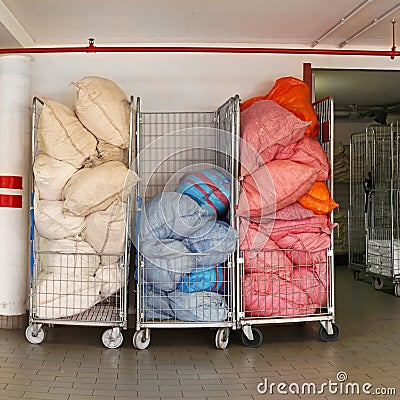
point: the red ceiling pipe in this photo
(91, 48)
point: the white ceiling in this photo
(268, 23)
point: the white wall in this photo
(168, 81)
(183, 82)
(344, 129)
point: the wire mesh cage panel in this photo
(71, 283)
(204, 295)
(71, 287)
(285, 285)
(171, 142)
(274, 290)
(382, 218)
(174, 143)
(184, 287)
(359, 181)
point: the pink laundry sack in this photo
(294, 95)
(291, 212)
(266, 295)
(260, 253)
(308, 151)
(306, 248)
(251, 101)
(274, 186)
(314, 224)
(253, 235)
(266, 127)
(314, 287)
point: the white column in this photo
(15, 166)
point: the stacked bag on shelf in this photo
(81, 181)
(341, 175)
(284, 204)
(341, 163)
(185, 250)
(342, 234)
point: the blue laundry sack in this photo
(171, 215)
(198, 306)
(215, 241)
(209, 188)
(212, 279)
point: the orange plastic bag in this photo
(318, 199)
(294, 95)
(249, 102)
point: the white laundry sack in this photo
(60, 295)
(109, 259)
(51, 223)
(105, 230)
(62, 136)
(107, 152)
(94, 189)
(68, 256)
(112, 278)
(103, 107)
(50, 176)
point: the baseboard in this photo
(13, 321)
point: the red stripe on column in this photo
(10, 182)
(11, 200)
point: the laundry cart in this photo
(382, 205)
(361, 158)
(71, 283)
(286, 285)
(185, 246)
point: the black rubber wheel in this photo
(257, 338)
(325, 337)
(377, 283)
(301, 324)
(356, 275)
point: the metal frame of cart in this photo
(382, 229)
(170, 144)
(111, 311)
(360, 187)
(325, 314)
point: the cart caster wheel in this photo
(356, 275)
(109, 341)
(325, 337)
(397, 289)
(222, 338)
(257, 338)
(139, 340)
(34, 337)
(377, 283)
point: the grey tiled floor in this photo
(72, 364)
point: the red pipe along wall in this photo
(91, 48)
